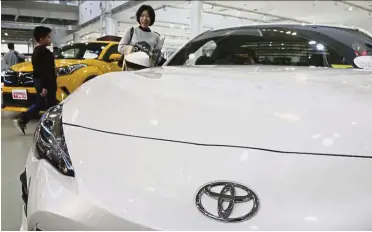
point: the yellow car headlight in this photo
(67, 70)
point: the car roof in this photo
(99, 41)
(294, 25)
(94, 42)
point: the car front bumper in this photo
(52, 201)
(10, 104)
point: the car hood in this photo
(27, 66)
(289, 109)
(143, 143)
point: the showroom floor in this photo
(14, 150)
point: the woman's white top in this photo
(139, 35)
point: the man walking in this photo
(45, 78)
(13, 57)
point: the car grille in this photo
(19, 79)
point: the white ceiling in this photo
(173, 17)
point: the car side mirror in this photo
(363, 62)
(114, 57)
(138, 59)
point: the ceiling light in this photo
(320, 47)
(288, 32)
(351, 8)
(3, 41)
(171, 26)
(294, 33)
(6, 34)
(312, 42)
(302, 24)
(264, 17)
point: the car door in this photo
(112, 65)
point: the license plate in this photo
(19, 94)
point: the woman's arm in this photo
(125, 41)
(159, 42)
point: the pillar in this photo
(108, 25)
(75, 37)
(111, 26)
(196, 12)
(57, 36)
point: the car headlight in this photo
(49, 141)
(67, 70)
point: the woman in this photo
(145, 17)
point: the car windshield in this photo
(81, 51)
(269, 45)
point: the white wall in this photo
(91, 9)
(22, 48)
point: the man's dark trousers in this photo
(41, 102)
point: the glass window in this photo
(358, 40)
(70, 53)
(265, 46)
(202, 55)
(81, 51)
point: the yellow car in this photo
(76, 64)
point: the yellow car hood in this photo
(27, 66)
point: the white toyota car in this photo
(248, 128)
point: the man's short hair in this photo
(151, 13)
(11, 46)
(41, 32)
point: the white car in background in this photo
(244, 137)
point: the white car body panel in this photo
(127, 182)
(291, 109)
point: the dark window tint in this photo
(81, 51)
(358, 41)
(265, 46)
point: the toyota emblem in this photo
(226, 199)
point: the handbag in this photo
(121, 59)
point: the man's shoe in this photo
(20, 126)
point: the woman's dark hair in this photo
(41, 32)
(151, 13)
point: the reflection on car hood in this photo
(27, 66)
(282, 108)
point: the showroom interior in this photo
(177, 22)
